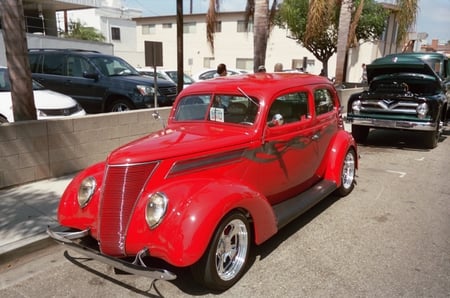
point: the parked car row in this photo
(99, 82)
(49, 104)
(170, 75)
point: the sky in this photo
(433, 16)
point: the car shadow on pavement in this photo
(398, 139)
(293, 227)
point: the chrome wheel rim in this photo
(232, 249)
(120, 108)
(348, 170)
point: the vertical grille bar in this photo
(121, 189)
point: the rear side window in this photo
(292, 107)
(54, 64)
(35, 64)
(323, 101)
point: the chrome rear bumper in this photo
(137, 267)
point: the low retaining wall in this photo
(36, 150)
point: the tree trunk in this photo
(16, 50)
(260, 33)
(344, 28)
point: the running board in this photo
(289, 210)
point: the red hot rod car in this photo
(240, 158)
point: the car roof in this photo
(258, 83)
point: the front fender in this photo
(196, 207)
(70, 214)
(337, 150)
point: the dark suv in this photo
(99, 82)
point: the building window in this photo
(218, 26)
(208, 62)
(244, 63)
(148, 29)
(189, 27)
(115, 33)
(241, 26)
(167, 25)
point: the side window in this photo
(289, 108)
(54, 64)
(76, 66)
(35, 64)
(323, 101)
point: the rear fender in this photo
(339, 147)
(196, 207)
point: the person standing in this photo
(364, 74)
(221, 70)
(278, 67)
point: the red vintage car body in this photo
(209, 168)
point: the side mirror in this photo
(277, 120)
(91, 75)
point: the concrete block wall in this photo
(36, 150)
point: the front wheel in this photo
(225, 261)
(348, 173)
(120, 105)
(360, 133)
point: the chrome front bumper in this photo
(397, 124)
(137, 267)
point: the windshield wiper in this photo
(248, 97)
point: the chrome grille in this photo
(121, 189)
(172, 90)
(389, 106)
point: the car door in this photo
(289, 157)
(48, 69)
(87, 91)
(326, 117)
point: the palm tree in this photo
(345, 17)
(16, 50)
(263, 22)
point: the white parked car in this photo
(167, 74)
(207, 74)
(49, 104)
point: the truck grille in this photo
(389, 106)
(122, 187)
(168, 90)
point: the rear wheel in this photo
(360, 133)
(225, 261)
(348, 173)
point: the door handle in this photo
(315, 137)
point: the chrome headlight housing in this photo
(145, 90)
(86, 191)
(422, 110)
(156, 209)
(356, 106)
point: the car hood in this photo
(143, 80)
(393, 65)
(179, 140)
(47, 99)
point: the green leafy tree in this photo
(79, 31)
(314, 24)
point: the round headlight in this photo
(86, 191)
(356, 106)
(156, 209)
(422, 110)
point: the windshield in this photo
(236, 109)
(5, 85)
(114, 66)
